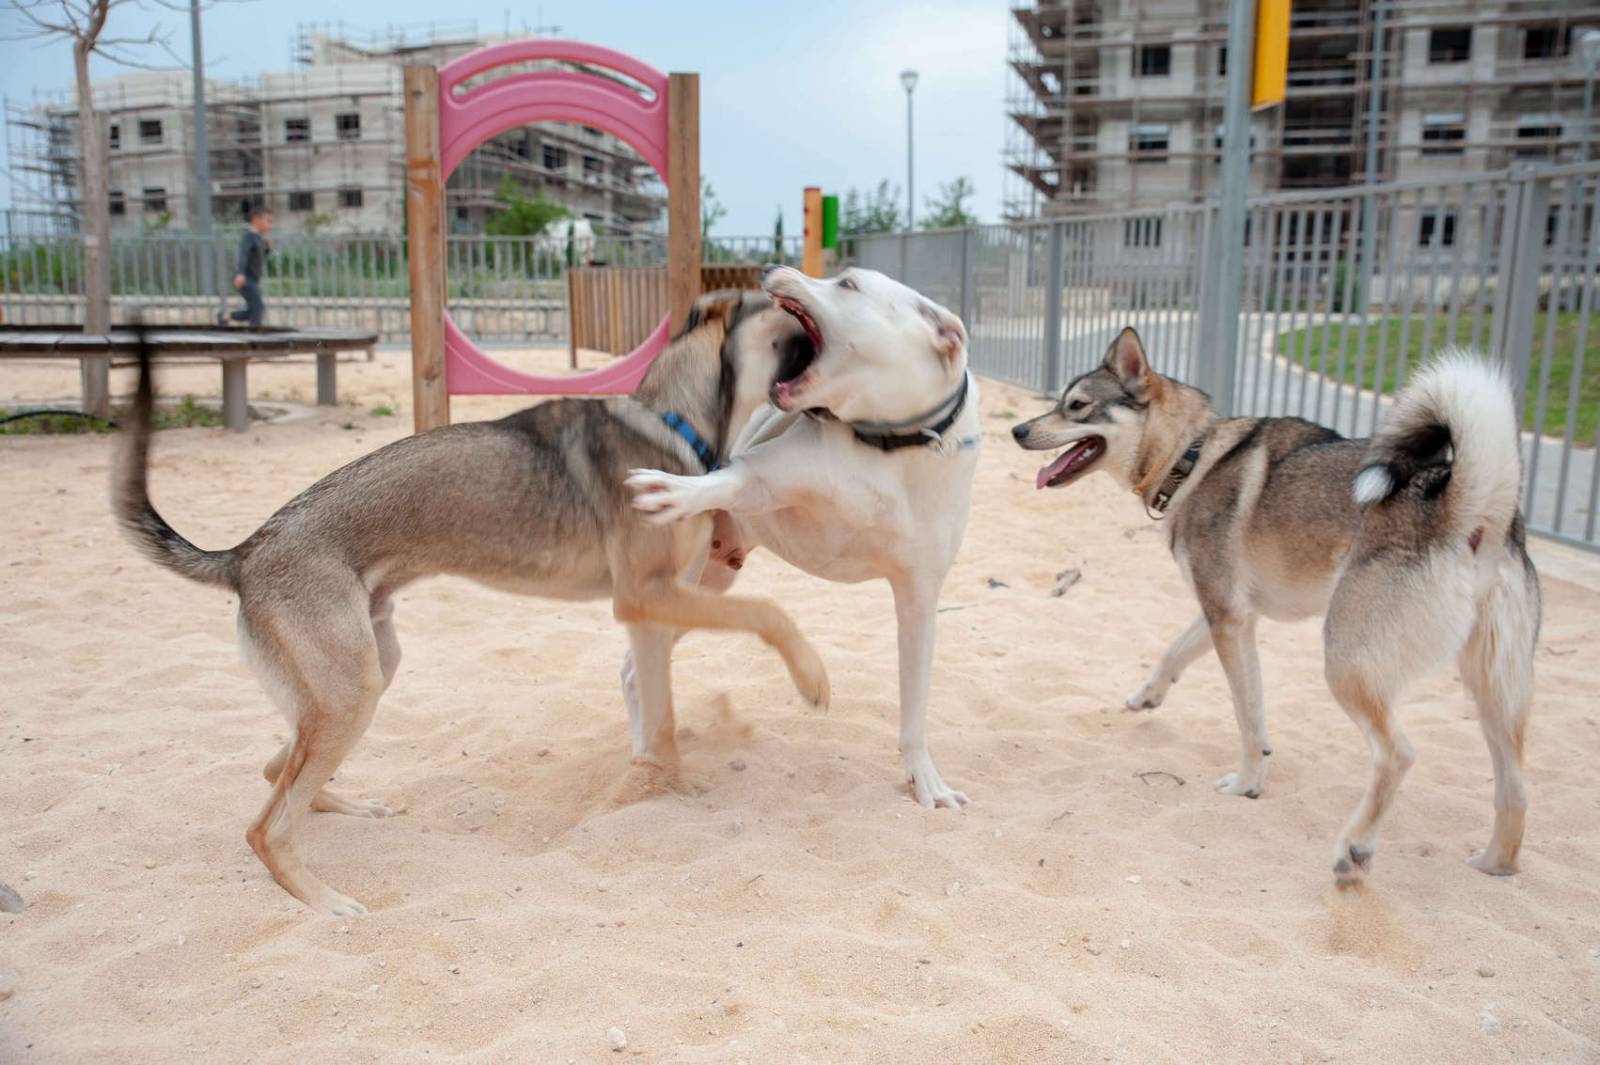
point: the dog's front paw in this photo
(662, 497)
(1148, 697)
(927, 787)
(1248, 782)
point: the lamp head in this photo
(908, 78)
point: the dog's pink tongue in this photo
(1055, 468)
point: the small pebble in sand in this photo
(1065, 580)
(601, 885)
(1487, 1020)
(737, 765)
(617, 1038)
(455, 968)
(10, 901)
(952, 888)
(1133, 879)
(1125, 944)
(149, 863)
(1485, 972)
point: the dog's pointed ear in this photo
(949, 335)
(720, 306)
(1126, 359)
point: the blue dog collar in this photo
(676, 422)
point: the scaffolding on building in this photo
(1118, 103)
(322, 145)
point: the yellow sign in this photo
(1272, 53)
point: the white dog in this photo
(859, 467)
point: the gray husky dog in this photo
(533, 503)
(1409, 543)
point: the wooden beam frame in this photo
(683, 196)
(425, 248)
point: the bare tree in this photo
(83, 22)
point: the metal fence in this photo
(505, 289)
(1346, 292)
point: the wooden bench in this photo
(233, 348)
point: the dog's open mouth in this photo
(796, 358)
(1071, 462)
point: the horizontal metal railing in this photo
(505, 289)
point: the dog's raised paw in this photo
(1140, 700)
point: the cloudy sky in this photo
(791, 94)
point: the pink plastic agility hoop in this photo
(472, 117)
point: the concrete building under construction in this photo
(1118, 103)
(321, 145)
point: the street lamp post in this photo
(908, 78)
(202, 158)
(1589, 52)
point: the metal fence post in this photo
(966, 281)
(1517, 293)
(1052, 309)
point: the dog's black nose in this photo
(1019, 432)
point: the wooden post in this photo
(683, 196)
(572, 320)
(811, 250)
(425, 248)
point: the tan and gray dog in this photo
(533, 503)
(1410, 543)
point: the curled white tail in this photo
(1451, 438)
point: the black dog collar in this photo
(1175, 478)
(892, 437)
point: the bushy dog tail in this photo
(130, 496)
(1450, 444)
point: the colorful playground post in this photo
(446, 119)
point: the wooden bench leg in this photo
(327, 373)
(235, 409)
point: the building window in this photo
(1222, 61)
(1443, 134)
(348, 126)
(1154, 61)
(1537, 136)
(149, 131)
(1141, 233)
(1217, 138)
(1546, 42)
(119, 202)
(1148, 144)
(1450, 44)
(594, 167)
(1438, 229)
(155, 200)
(116, 136)
(302, 201)
(555, 158)
(349, 197)
(296, 130)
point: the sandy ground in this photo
(783, 899)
